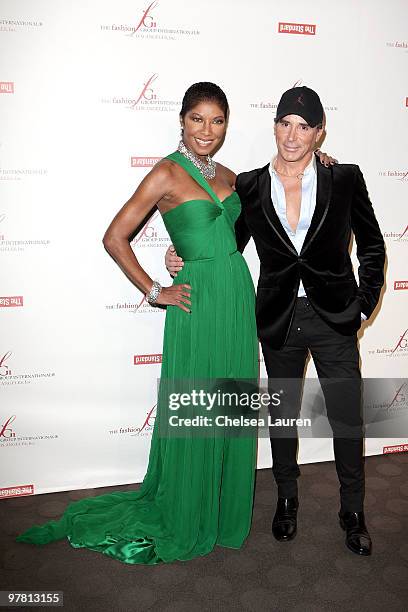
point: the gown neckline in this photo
(195, 174)
(233, 193)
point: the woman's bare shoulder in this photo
(162, 173)
(228, 174)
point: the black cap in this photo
(301, 101)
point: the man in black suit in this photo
(301, 215)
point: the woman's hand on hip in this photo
(176, 295)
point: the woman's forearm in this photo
(121, 251)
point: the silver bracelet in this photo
(154, 292)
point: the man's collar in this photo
(311, 166)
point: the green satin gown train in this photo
(197, 491)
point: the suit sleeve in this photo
(242, 232)
(370, 246)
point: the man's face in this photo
(295, 139)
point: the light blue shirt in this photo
(307, 206)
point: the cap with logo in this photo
(301, 101)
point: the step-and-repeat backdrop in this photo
(90, 93)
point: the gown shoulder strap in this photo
(194, 172)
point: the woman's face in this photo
(204, 128)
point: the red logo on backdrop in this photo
(11, 301)
(9, 438)
(297, 28)
(17, 491)
(142, 307)
(6, 87)
(149, 421)
(142, 302)
(149, 231)
(397, 448)
(400, 175)
(402, 343)
(144, 162)
(145, 25)
(147, 359)
(25, 378)
(146, 98)
(399, 285)
(403, 233)
(397, 237)
(153, 234)
(147, 20)
(147, 92)
(145, 429)
(4, 368)
(5, 430)
(399, 349)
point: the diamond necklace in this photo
(206, 169)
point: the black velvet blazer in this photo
(324, 266)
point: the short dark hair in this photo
(204, 92)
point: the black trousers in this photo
(337, 363)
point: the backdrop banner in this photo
(92, 91)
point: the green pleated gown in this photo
(198, 490)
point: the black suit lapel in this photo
(323, 197)
(264, 190)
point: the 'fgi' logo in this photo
(149, 232)
(402, 342)
(4, 368)
(147, 21)
(5, 430)
(147, 92)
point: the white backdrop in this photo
(90, 92)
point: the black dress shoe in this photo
(284, 524)
(357, 537)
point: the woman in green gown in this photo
(198, 489)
